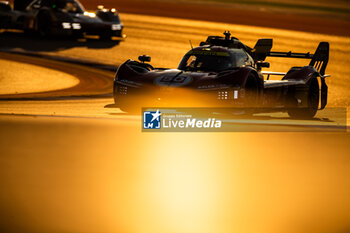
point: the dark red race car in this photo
(224, 72)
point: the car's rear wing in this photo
(319, 59)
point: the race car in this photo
(60, 18)
(224, 72)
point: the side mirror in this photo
(261, 64)
(144, 58)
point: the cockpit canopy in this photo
(70, 6)
(214, 59)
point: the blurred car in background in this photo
(60, 18)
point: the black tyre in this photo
(251, 96)
(311, 93)
(251, 91)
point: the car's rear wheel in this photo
(311, 93)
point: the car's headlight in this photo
(235, 94)
(228, 94)
(122, 90)
(76, 26)
(90, 14)
(222, 95)
(115, 27)
(66, 25)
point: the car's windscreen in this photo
(207, 61)
(69, 6)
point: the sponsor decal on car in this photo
(173, 81)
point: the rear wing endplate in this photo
(320, 58)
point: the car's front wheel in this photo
(251, 95)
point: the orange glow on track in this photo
(91, 169)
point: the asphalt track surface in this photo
(70, 163)
(291, 19)
(91, 81)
